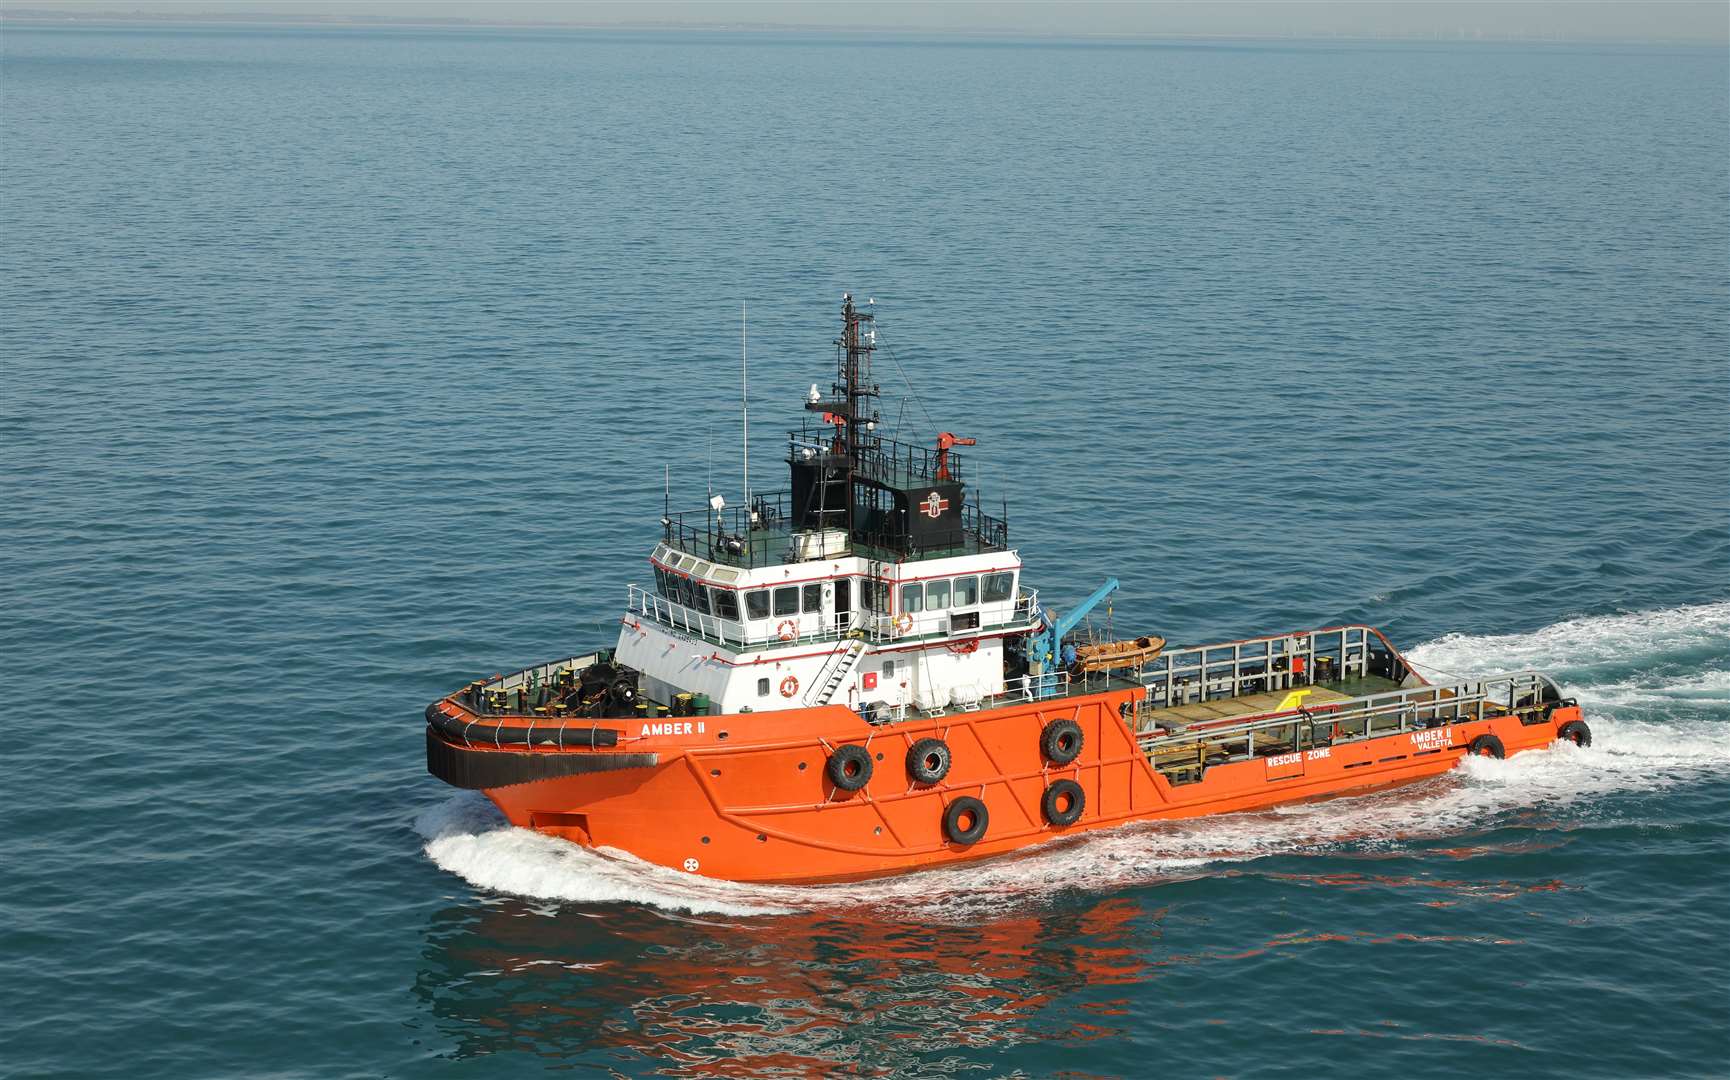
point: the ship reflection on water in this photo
(798, 995)
(871, 991)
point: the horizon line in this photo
(374, 22)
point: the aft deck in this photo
(1183, 741)
(1174, 717)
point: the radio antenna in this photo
(745, 409)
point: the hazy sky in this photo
(1703, 21)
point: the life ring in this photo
(849, 767)
(1576, 732)
(1063, 802)
(903, 623)
(928, 761)
(1061, 741)
(1486, 746)
(965, 820)
(963, 648)
(789, 686)
(787, 630)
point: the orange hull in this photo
(748, 798)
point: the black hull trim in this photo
(477, 770)
(562, 734)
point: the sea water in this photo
(341, 367)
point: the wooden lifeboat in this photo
(1109, 655)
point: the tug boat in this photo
(852, 679)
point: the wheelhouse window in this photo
(913, 598)
(937, 594)
(726, 603)
(814, 598)
(966, 591)
(787, 600)
(757, 604)
(999, 587)
(700, 593)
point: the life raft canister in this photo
(1063, 802)
(849, 767)
(928, 761)
(1061, 741)
(965, 820)
(789, 686)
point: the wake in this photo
(1655, 686)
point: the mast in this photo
(848, 405)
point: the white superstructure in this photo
(847, 629)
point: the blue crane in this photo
(1045, 644)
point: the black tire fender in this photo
(1063, 803)
(1486, 746)
(965, 821)
(849, 767)
(928, 761)
(1061, 741)
(1576, 732)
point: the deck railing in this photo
(1234, 668)
(874, 626)
(519, 693)
(1370, 716)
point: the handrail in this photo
(884, 461)
(1047, 684)
(874, 626)
(477, 695)
(846, 652)
(736, 535)
(1232, 668)
(1412, 707)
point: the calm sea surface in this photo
(340, 367)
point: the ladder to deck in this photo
(836, 670)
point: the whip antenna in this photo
(745, 409)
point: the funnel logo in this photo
(934, 505)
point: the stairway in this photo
(836, 671)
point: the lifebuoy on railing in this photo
(789, 686)
(787, 630)
(903, 623)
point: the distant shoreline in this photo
(265, 20)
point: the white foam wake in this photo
(1656, 723)
(1587, 645)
